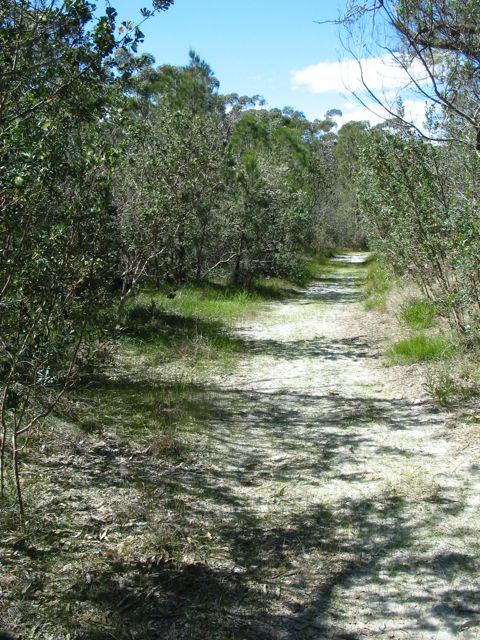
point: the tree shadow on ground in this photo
(156, 599)
(334, 290)
(311, 433)
(318, 347)
(263, 552)
(156, 326)
(249, 589)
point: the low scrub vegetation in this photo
(455, 385)
(190, 326)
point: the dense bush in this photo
(421, 208)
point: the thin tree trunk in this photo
(238, 262)
(16, 477)
(200, 247)
(2, 458)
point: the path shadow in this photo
(158, 599)
(338, 289)
(312, 432)
(152, 324)
(318, 347)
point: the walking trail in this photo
(337, 502)
(326, 499)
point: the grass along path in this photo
(318, 497)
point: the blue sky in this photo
(272, 48)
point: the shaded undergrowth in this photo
(193, 324)
(159, 335)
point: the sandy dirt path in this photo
(338, 503)
(313, 494)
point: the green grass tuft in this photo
(420, 348)
(208, 301)
(191, 325)
(419, 314)
(378, 283)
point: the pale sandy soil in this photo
(353, 510)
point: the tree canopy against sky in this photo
(434, 46)
(291, 58)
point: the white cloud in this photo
(379, 74)
(415, 112)
(373, 113)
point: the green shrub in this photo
(442, 387)
(420, 348)
(447, 387)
